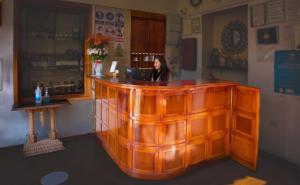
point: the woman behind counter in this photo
(160, 71)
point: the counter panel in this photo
(158, 132)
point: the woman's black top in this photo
(159, 75)
(156, 75)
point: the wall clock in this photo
(195, 2)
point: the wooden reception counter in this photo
(158, 130)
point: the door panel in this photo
(157, 35)
(139, 35)
(245, 125)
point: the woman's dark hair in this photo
(164, 70)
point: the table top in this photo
(32, 105)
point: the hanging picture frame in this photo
(275, 11)
(196, 24)
(258, 15)
(267, 35)
(187, 26)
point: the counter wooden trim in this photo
(146, 85)
(157, 132)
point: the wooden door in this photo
(245, 125)
(139, 35)
(157, 35)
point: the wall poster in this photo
(111, 22)
(287, 72)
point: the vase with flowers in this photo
(97, 50)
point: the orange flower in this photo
(98, 41)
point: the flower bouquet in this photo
(97, 51)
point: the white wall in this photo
(280, 125)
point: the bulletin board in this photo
(189, 54)
(287, 72)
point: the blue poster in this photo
(287, 72)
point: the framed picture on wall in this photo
(187, 26)
(267, 35)
(258, 15)
(275, 11)
(196, 25)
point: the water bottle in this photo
(47, 97)
(38, 95)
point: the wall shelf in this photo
(227, 68)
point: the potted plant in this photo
(97, 50)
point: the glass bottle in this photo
(47, 97)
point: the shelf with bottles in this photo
(69, 60)
(58, 87)
(219, 59)
(42, 32)
(144, 60)
(241, 65)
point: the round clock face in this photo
(195, 2)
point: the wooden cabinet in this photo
(157, 36)
(139, 35)
(148, 35)
(156, 132)
(50, 48)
